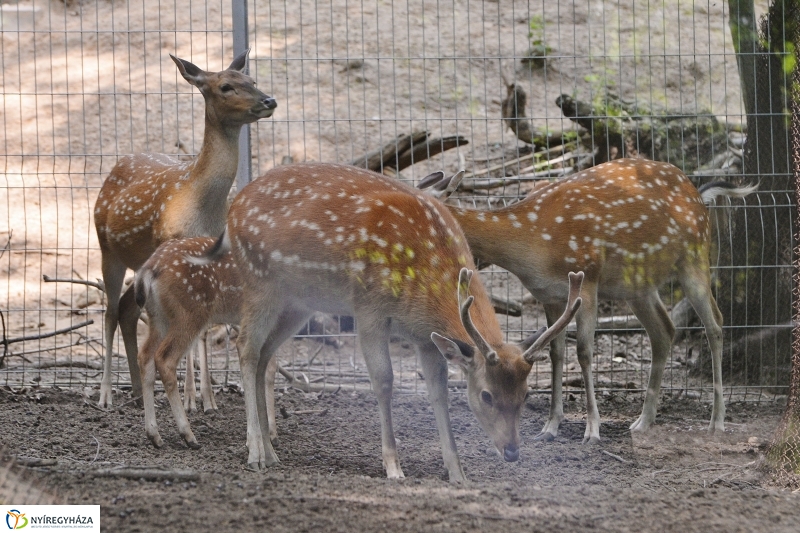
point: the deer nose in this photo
(511, 453)
(270, 102)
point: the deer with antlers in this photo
(343, 240)
(630, 225)
(148, 199)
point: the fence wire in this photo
(83, 83)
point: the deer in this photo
(630, 225)
(182, 300)
(343, 240)
(150, 198)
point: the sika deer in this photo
(630, 225)
(342, 240)
(150, 198)
(182, 300)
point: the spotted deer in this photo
(629, 224)
(343, 240)
(182, 300)
(150, 198)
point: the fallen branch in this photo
(96, 284)
(34, 461)
(148, 473)
(306, 386)
(614, 456)
(506, 307)
(6, 342)
(68, 364)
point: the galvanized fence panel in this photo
(83, 83)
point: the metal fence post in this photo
(240, 44)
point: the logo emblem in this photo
(16, 519)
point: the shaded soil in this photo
(330, 477)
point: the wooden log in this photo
(431, 147)
(388, 153)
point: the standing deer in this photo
(630, 225)
(182, 300)
(150, 198)
(343, 240)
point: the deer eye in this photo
(486, 397)
(226, 88)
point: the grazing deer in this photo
(343, 240)
(630, 225)
(182, 300)
(150, 198)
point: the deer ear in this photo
(454, 351)
(240, 62)
(190, 72)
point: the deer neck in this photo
(214, 169)
(494, 236)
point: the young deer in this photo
(150, 198)
(630, 225)
(342, 240)
(182, 300)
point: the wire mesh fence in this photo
(502, 90)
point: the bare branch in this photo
(96, 284)
(6, 342)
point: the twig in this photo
(148, 473)
(307, 387)
(34, 461)
(93, 406)
(8, 243)
(96, 284)
(68, 364)
(614, 456)
(326, 430)
(310, 361)
(46, 335)
(309, 412)
(97, 454)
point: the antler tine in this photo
(464, 303)
(573, 304)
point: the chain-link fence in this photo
(512, 92)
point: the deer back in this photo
(335, 237)
(627, 224)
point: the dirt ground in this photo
(348, 77)
(677, 478)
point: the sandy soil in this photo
(330, 478)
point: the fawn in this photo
(343, 240)
(182, 300)
(630, 225)
(150, 198)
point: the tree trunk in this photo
(755, 294)
(784, 453)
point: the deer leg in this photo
(557, 350)
(656, 321)
(169, 353)
(258, 323)
(189, 389)
(288, 324)
(129, 314)
(113, 277)
(434, 368)
(373, 336)
(269, 391)
(206, 390)
(698, 290)
(586, 321)
(147, 369)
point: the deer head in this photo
(230, 95)
(497, 378)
